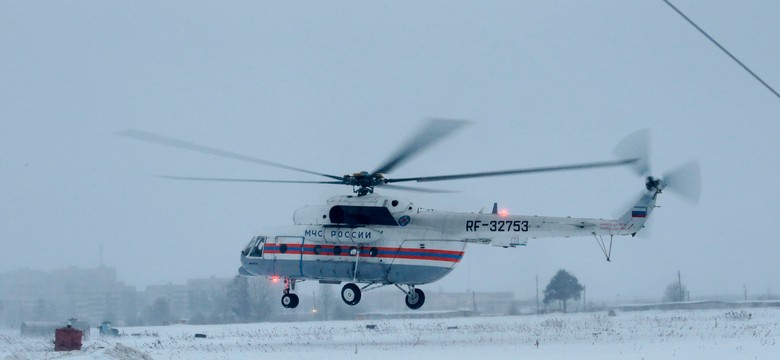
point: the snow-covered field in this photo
(704, 334)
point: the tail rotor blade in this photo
(685, 181)
(636, 145)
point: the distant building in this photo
(87, 294)
(96, 295)
(699, 305)
(467, 302)
(176, 295)
(39, 328)
(47, 328)
(194, 298)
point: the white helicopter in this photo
(377, 240)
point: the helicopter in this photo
(377, 240)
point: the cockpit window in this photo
(255, 247)
(248, 246)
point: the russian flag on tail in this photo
(639, 212)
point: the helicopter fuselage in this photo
(377, 239)
(364, 239)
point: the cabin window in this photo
(361, 215)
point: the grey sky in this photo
(335, 86)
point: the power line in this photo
(722, 48)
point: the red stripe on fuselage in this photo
(384, 252)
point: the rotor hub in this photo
(363, 182)
(654, 184)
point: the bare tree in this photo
(238, 298)
(325, 302)
(675, 292)
(159, 313)
(260, 298)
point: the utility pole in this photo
(679, 285)
(744, 287)
(537, 293)
(584, 299)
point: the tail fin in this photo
(638, 214)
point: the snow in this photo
(711, 334)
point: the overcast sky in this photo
(335, 86)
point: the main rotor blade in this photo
(518, 171)
(416, 189)
(384, 186)
(434, 131)
(181, 144)
(248, 180)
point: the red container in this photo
(67, 339)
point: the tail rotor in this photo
(684, 181)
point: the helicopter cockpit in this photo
(255, 247)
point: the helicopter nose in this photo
(244, 272)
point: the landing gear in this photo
(350, 293)
(289, 300)
(415, 298)
(607, 250)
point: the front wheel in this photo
(350, 293)
(415, 299)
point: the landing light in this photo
(275, 279)
(503, 213)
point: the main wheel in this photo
(415, 300)
(290, 301)
(350, 293)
